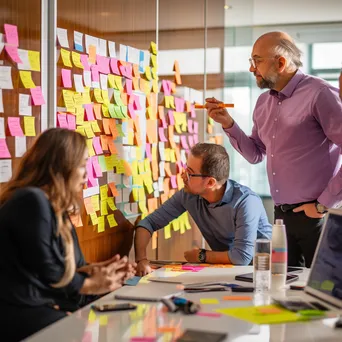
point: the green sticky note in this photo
(209, 301)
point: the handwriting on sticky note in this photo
(26, 79)
(209, 301)
(37, 96)
(29, 126)
(14, 126)
(11, 32)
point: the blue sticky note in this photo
(141, 61)
(133, 281)
(78, 47)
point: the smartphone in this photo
(248, 277)
(114, 307)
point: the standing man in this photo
(298, 126)
(230, 216)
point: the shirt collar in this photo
(226, 198)
(288, 90)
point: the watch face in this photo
(320, 208)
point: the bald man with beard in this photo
(297, 127)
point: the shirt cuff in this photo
(328, 200)
(233, 131)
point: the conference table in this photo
(151, 322)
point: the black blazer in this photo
(32, 254)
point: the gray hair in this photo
(290, 51)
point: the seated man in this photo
(229, 215)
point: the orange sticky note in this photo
(113, 189)
(106, 128)
(167, 329)
(237, 298)
(97, 110)
(92, 54)
(269, 311)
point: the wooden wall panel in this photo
(26, 15)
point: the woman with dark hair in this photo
(43, 272)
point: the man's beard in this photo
(267, 83)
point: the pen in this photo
(222, 105)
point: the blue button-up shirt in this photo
(231, 224)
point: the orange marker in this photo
(222, 105)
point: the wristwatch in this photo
(202, 255)
(321, 209)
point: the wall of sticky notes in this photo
(20, 79)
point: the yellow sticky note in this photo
(88, 130)
(90, 147)
(68, 97)
(167, 232)
(34, 59)
(98, 95)
(95, 201)
(154, 48)
(148, 73)
(209, 301)
(93, 218)
(104, 192)
(138, 153)
(92, 316)
(65, 54)
(76, 58)
(95, 126)
(135, 193)
(111, 220)
(111, 81)
(26, 79)
(142, 206)
(29, 126)
(105, 96)
(103, 320)
(104, 210)
(111, 204)
(101, 224)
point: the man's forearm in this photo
(141, 239)
(217, 257)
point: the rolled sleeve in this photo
(247, 222)
(169, 211)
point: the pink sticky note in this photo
(174, 182)
(179, 167)
(14, 127)
(184, 142)
(62, 121)
(137, 105)
(191, 140)
(122, 69)
(103, 64)
(171, 118)
(37, 96)
(192, 112)
(71, 121)
(190, 126)
(11, 32)
(87, 337)
(12, 51)
(163, 121)
(166, 87)
(4, 152)
(196, 138)
(162, 134)
(97, 145)
(209, 314)
(128, 87)
(131, 110)
(96, 166)
(179, 104)
(92, 181)
(129, 70)
(114, 66)
(95, 77)
(66, 78)
(195, 127)
(148, 152)
(89, 111)
(84, 61)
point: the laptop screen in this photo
(326, 272)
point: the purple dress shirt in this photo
(299, 129)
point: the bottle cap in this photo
(279, 222)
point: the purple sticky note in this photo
(162, 134)
(4, 152)
(11, 32)
(62, 121)
(184, 142)
(195, 127)
(196, 138)
(97, 145)
(96, 166)
(71, 121)
(122, 70)
(166, 87)
(37, 96)
(131, 110)
(95, 77)
(12, 51)
(14, 127)
(179, 104)
(66, 78)
(85, 63)
(192, 112)
(89, 111)
(174, 182)
(114, 66)
(179, 167)
(103, 64)
(191, 141)
(190, 126)
(92, 181)
(171, 118)
(129, 87)
(148, 152)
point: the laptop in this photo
(324, 287)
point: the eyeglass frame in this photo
(253, 60)
(189, 175)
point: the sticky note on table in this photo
(209, 314)
(29, 126)
(209, 301)
(103, 320)
(237, 298)
(26, 79)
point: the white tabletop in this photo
(88, 326)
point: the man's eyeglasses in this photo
(189, 175)
(255, 61)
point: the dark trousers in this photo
(302, 233)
